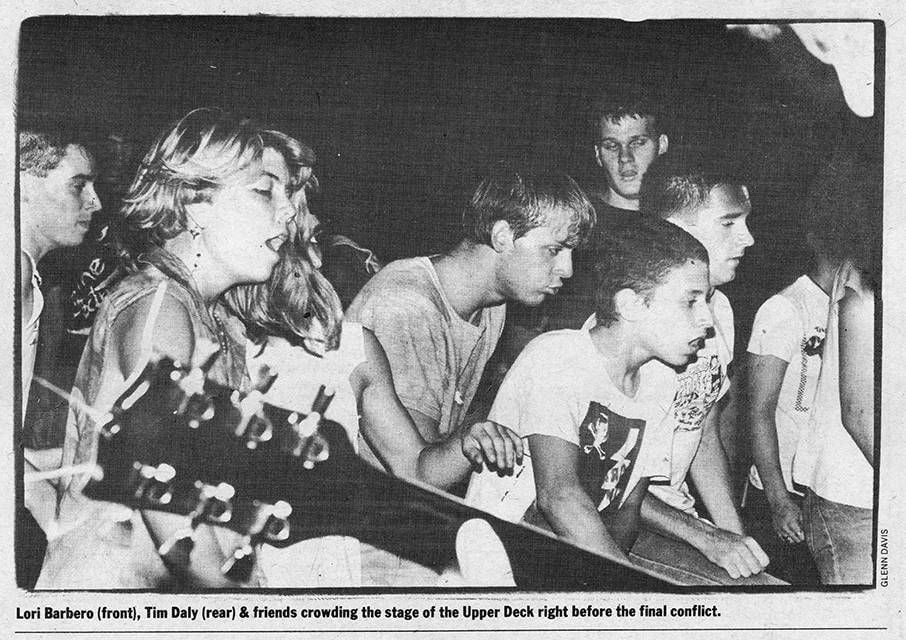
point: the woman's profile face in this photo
(245, 223)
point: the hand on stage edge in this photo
(740, 556)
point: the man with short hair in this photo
(628, 135)
(597, 422)
(56, 202)
(713, 208)
(439, 318)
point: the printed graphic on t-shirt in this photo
(92, 283)
(609, 445)
(697, 389)
(811, 348)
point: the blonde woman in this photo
(208, 210)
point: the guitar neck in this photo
(263, 471)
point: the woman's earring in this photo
(195, 230)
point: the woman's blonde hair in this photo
(188, 164)
(297, 302)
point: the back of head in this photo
(679, 184)
(843, 215)
(526, 199)
(638, 255)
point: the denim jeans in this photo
(839, 537)
(683, 564)
(790, 562)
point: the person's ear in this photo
(199, 214)
(662, 143)
(686, 221)
(502, 237)
(27, 186)
(628, 304)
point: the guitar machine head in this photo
(178, 442)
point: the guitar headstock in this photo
(177, 442)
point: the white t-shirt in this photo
(827, 458)
(698, 387)
(437, 358)
(559, 387)
(791, 326)
(329, 561)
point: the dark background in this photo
(405, 114)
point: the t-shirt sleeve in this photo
(776, 330)
(725, 325)
(410, 329)
(536, 399)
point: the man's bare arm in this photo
(766, 375)
(738, 555)
(396, 434)
(562, 499)
(711, 474)
(857, 370)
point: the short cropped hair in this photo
(614, 106)
(189, 163)
(672, 187)
(526, 199)
(41, 150)
(638, 255)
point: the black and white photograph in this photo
(412, 323)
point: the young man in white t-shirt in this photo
(56, 202)
(713, 208)
(596, 422)
(784, 361)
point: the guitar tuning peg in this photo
(305, 441)
(205, 365)
(212, 503)
(323, 399)
(277, 527)
(219, 506)
(268, 523)
(251, 424)
(195, 405)
(110, 426)
(178, 547)
(318, 450)
(308, 426)
(266, 378)
(238, 567)
(152, 485)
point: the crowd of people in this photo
(606, 427)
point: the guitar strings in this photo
(88, 468)
(96, 415)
